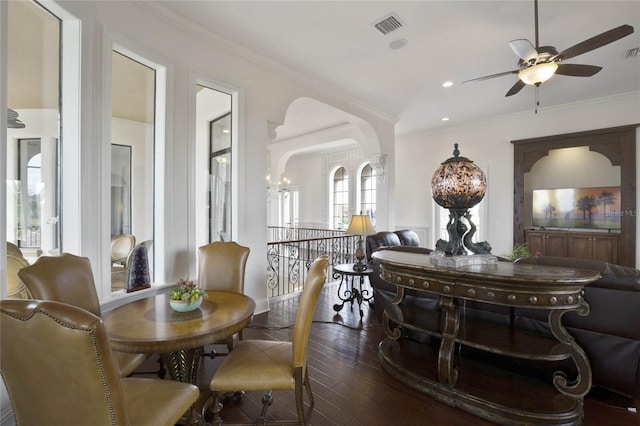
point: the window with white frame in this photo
(34, 98)
(367, 199)
(340, 204)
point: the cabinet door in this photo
(581, 246)
(556, 244)
(535, 242)
(605, 248)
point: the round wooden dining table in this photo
(151, 326)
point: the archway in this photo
(312, 127)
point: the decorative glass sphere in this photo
(458, 184)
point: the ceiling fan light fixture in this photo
(537, 74)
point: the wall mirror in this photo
(133, 146)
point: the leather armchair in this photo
(79, 382)
(69, 279)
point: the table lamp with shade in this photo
(360, 225)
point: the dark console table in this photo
(469, 383)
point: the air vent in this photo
(632, 53)
(388, 24)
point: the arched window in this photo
(340, 199)
(368, 192)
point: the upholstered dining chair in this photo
(69, 279)
(80, 383)
(15, 287)
(266, 365)
(121, 246)
(14, 249)
(221, 266)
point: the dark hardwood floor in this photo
(349, 385)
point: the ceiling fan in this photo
(538, 63)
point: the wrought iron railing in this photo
(288, 233)
(30, 237)
(289, 260)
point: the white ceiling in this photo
(335, 43)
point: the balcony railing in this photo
(289, 259)
(288, 233)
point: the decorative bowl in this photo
(185, 305)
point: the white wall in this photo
(184, 50)
(265, 91)
(306, 174)
(488, 143)
(139, 136)
(568, 168)
(310, 173)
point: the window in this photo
(340, 199)
(33, 129)
(214, 165)
(220, 173)
(289, 206)
(368, 192)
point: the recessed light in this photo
(398, 44)
(445, 119)
(447, 84)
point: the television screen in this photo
(596, 208)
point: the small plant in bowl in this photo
(186, 297)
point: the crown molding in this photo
(196, 30)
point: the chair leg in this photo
(299, 383)
(300, 406)
(216, 407)
(307, 385)
(162, 371)
(267, 400)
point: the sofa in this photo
(609, 335)
(384, 292)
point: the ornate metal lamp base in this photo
(360, 266)
(461, 236)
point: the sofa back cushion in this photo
(408, 238)
(381, 239)
(614, 277)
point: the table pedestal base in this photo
(183, 364)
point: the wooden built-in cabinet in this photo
(598, 246)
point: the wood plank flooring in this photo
(349, 385)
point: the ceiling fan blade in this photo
(576, 70)
(515, 88)
(595, 42)
(525, 50)
(487, 77)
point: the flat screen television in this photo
(595, 208)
